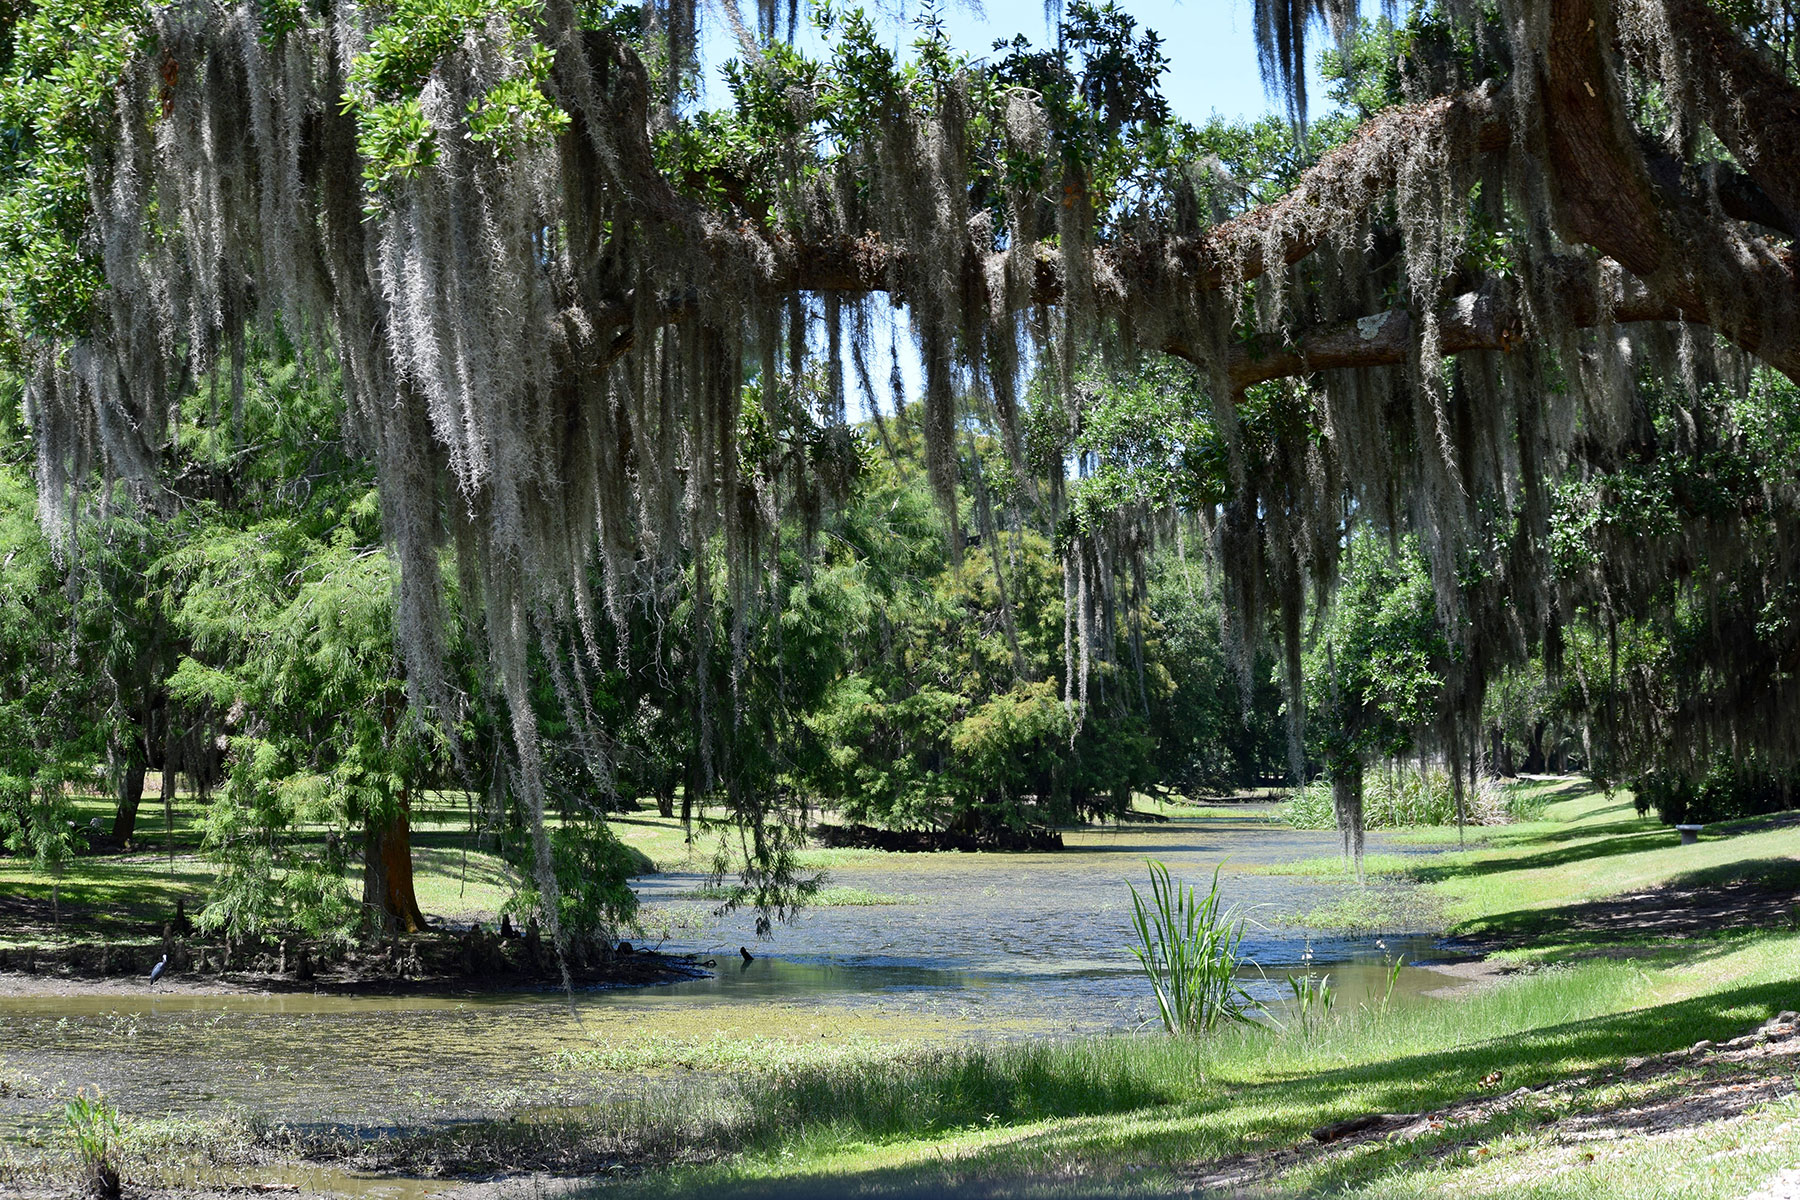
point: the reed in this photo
(1189, 945)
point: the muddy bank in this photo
(425, 963)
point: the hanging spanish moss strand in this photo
(545, 347)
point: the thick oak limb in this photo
(1604, 196)
(1352, 177)
(1599, 179)
(1752, 107)
(1739, 196)
(1694, 263)
(1484, 319)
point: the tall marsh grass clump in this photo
(94, 1125)
(1411, 796)
(1190, 949)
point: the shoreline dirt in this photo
(370, 977)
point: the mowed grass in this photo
(1515, 879)
(117, 897)
(1589, 846)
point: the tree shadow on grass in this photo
(96, 897)
(1623, 806)
(1532, 833)
(447, 862)
(1706, 902)
(1604, 842)
(457, 840)
(1575, 787)
(1414, 1083)
(1681, 1099)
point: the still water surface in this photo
(986, 946)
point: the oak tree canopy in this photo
(549, 281)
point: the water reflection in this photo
(1044, 937)
(991, 946)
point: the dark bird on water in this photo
(748, 957)
(161, 966)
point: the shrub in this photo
(1728, 789)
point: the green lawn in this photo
(1135, 1114)
(1591, 845)
(1514, 880)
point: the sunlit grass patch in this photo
(116, 897)
(1587, 847)
(1336, 866)
(719, 1052)
(1105, 1101)
(1573, 868)
(1375, 908)
(461, 884)
(1446, 835)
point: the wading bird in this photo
(161, 966)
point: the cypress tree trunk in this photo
(387, 873)
(130, 779)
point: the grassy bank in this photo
(1525, 880)
(1149, 1115)
(1596, 1015)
